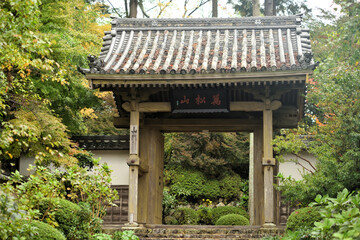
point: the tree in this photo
(212, 153)
(214, 8)
(256, 8)
(41, 92)
(332, 110)
(269, 8)
(247, 8)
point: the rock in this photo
(220, 204)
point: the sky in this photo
(177, 9)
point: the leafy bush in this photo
(101, 236)
(170, 220)
(11, 215)
(230, 187)
(188, 184)
(169, 202)
(340, 216)
(125, 235)
(205, 216)
(225, 210)
(186, 216)
(45, 231)
(192, 185)
(302, 218)
(232, 219)
(70, 218)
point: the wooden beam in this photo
(234, 106)
(195, 125)
(253, 106)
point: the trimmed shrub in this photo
(233, 219)
(186, 216)
(225, 210)
(72, 219)
(205, 216)
(45, 231)
(302, 218)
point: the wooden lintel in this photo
(199, 124)
(253, 106)
(194, 125)
(234, 106)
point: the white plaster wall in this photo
(24, 165)
(292, 165)
(116, 159)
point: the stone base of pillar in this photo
(269, 225)
(132, 226)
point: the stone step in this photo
(202, 232)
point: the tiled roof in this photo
(190, 46)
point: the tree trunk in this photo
(256, 8)
(274, 7)
(133, 8)
(214, 8)
(269, 7)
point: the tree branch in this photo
(114, 9)
(126, 8)
(162, 9)
(297, 155)
(201, 4)
(142, 8)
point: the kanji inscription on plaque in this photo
(199, 100)
(134, 135)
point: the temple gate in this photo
(169, 75)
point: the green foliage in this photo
(170, 220)
(101, 236)
(332, 116)
(225, 210)
(214, 154)
(125, 235)
(205, 216)
(192, 185)
(341, 216)
(303, 218)
(186, 216)
(42, 96)
(91, 189)
(12, 225)
(169, 202)
(233, 219)
(299, 234)
(70, 218)
(45, 231)
(234, 188)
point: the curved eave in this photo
(198, 80)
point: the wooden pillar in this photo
(134, 162)
(251, 179)
(268, 165)
(151, 176)
(258, 178)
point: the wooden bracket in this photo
(268, 161)
(133, 160)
